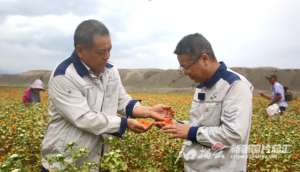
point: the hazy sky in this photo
(38, 34)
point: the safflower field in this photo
(22, 129)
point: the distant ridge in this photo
(36, 73)
(168, 80)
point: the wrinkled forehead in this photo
(102, 42)
(184, 58)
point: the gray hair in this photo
(194, 45)
(86, 31)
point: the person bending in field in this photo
(32, 93)
(278, 93)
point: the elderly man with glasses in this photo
(220, 117)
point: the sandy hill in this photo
(168, 80)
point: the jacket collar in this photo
(215, 78)
(80, 67)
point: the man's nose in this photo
(106, 55)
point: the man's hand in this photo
(166, 121)
(158, 112)
(135, 126)
(265, 96)
(262, 94)
(177, 130)
(163, 109)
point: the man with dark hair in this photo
(85, 96)
(278, 93)
(220, 115)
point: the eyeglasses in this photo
(187, 67)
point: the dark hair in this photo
(86, 31)
(194, 45)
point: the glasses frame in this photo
(187, 67)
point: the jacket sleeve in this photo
(235, 119)
(73, 107)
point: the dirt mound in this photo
(25, 78)
(169, 80)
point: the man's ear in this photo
(205, 59)
(80, 50)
